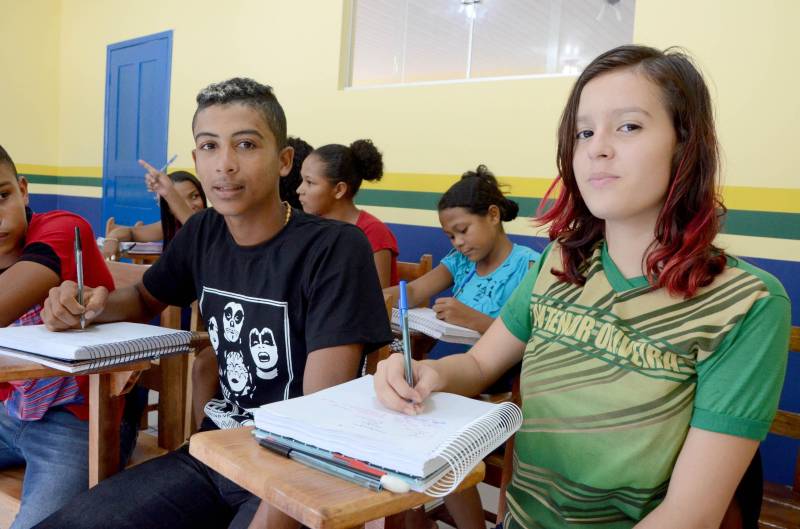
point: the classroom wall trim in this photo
(761, 222)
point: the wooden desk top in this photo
(12, 368)
(17, 369)
(316, 499)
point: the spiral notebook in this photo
(424, 320)
(95, 347)
(432, 451)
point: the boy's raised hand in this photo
(61, 308)
(394, 392)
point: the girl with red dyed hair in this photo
(652, 362)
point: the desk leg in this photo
(172, 401)
(395, 521)
(103, 429)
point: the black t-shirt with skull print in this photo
(312, 286)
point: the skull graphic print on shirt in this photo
(251, 341)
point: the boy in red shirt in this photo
(43, 423)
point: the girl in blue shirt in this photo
(484, 266)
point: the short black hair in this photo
(290, 182)
(246, 92)
(5, 159)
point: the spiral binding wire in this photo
(151, 347)
(465, 448)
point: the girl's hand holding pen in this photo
(62, 311)
(394, 392)
(453, 311)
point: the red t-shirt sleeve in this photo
(50, 241)
(56, 230)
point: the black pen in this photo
(79, 271)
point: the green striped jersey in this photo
(615, 372)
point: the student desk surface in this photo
(316, 499)
(103, 428)
(105, 386)
(140, 258)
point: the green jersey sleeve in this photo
(739, 385)
(516, 313)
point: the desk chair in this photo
(780, 507)
(10, 494)
(409, 271)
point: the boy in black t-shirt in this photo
(291, 303)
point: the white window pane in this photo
(591, 27)
(511, 37)
(407, 41)
(437, 40)
(378, 28)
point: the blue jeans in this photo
(55, 452)
(174, 491)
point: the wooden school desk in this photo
(103, 429)
(105, 384)
(140, 258)
(316, 499)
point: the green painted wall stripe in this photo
(64, 180)
(738, 222)
(763, 224)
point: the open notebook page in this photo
(348, 418)
(424, 320)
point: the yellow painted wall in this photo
(57, 91)
(29, 82)
(746, 49)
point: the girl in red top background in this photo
(331, 178)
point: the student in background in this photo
(180, 196)
(276, 291)
(44, 422)
(291, 181)
(652, 362)
(332, 176)
(484, 266)
(483, 269)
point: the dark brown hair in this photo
(476, 192)
(682, 257)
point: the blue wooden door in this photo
(136, 124)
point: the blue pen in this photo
(406, 336)
(460, 289)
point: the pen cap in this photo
(403, 295)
